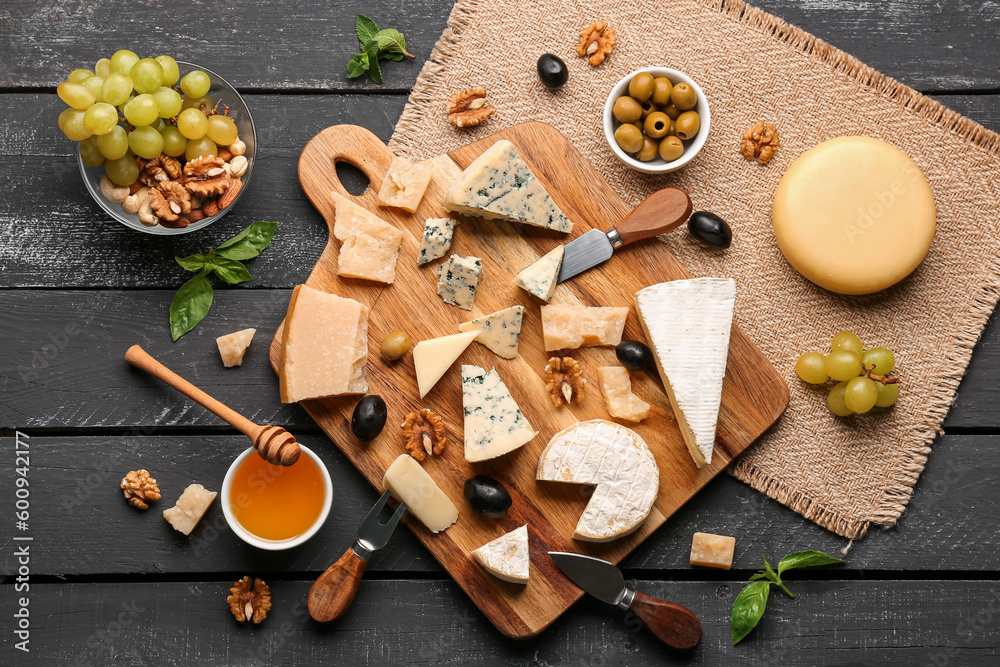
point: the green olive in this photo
(661, 90)
(638, 124)
(641, 86)
(648, 108)
(671, 148)
(657, 124)
(672, 132)
(683, 96)
(672, 111)
(688, 124)
(650, 149)
(629, 138)
(395, 345)
(626, 109)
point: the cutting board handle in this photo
(342, 143)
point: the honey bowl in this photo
(276, 507)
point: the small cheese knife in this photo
(659, 213)
(671, 623)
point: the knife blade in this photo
(672, 624)
(659, 213)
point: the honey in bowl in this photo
(277, 502)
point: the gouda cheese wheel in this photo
(854, 215)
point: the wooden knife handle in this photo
(659, 213)
(672, 624)
(334, 591)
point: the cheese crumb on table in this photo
(233, 346)
(709, 550)
(190, 507)
(404, 184)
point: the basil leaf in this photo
(806, 559)
(250, 242)
(748, 608)
(768, 570)
(758, 576)
(231, 271)
(193, 263)
(374, 71)
(365, 28)
(390, 40)
(357, 66)
(190, 305)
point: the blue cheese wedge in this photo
(494, 424)
(458, 279)
(542, 277)
(436, 240)
(499, 185)
(618, 461)
(507, 557)
(499, 331)
(369, 245)
(687, 324)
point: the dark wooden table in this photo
(108, 585)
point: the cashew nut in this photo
(238, 147)
(238, 166)
(113, 192)
(133, 203)
(146, 216)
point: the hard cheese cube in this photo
(190, 507)
(369, 245)
(710, 550)
(569, 327)
(233, 346)
(404, 184)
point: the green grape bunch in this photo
(862, 375)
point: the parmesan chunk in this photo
(190, 507)
(616, 386)
(567, 327)
(404, 184)
(709, 550)
(369, 245)
(233, 346)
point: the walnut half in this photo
(169, 200)
(423, 434)
(206, 176)
(564, 380)
(597, 41)
(468, 108)
(139, 487)
(249, 602)
(760, 142)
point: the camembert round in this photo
(854, 215)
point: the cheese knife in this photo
(659, 213)
(672, 624)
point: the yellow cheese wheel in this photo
(854, 215)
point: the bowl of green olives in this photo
(656, 119)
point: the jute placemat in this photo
(844, 474)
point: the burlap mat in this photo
(844, 474)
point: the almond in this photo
(229, 196)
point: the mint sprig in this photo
(388, 44)
(750, 604)
(193, 300)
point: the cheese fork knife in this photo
(672, 624)
(659, 213)
(331, 594)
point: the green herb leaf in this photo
(748, 608)
(231, 271)
(190, 305)
(758, 576)
(374, 71)
(193, 263)
(768, 570)
(391, 41)
(365, 28)
(250, 242)
(357, 66)
(806, 559)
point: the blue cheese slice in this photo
(618, 461)
(458, 279)
(542, 277)
(687, 324)
(369, 245)
(507, 557)
(499, 185)
(499, 331)
(436, 240)
(494, 424)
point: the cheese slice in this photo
(411, 484)
(369, 245)
(324, 348)
(616, 386)
(687, 324)
(404, 184)
(233, 346)
(433, 357)
(494, 424)
(499, 331)
(542, 277)
(567, 327)
(436, 240)
(458, 280)
(499, 185)
(507, 557)
(618, 461)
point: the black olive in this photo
(487, 496)
(552, 71)
(710, 228)
(369, 418)
(635, 356)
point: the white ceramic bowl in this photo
(259, 542)
(691, 147)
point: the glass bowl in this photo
(221, 91)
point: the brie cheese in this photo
(506, 557)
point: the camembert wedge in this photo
(618, 461)
(433, 357)
(687, 324)
(369, 245)
(411, 484)
(542, 277)
(507, 557)
(494, 424)
(499, 331)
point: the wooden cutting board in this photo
(754, 395)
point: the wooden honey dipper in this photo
(274, 444)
